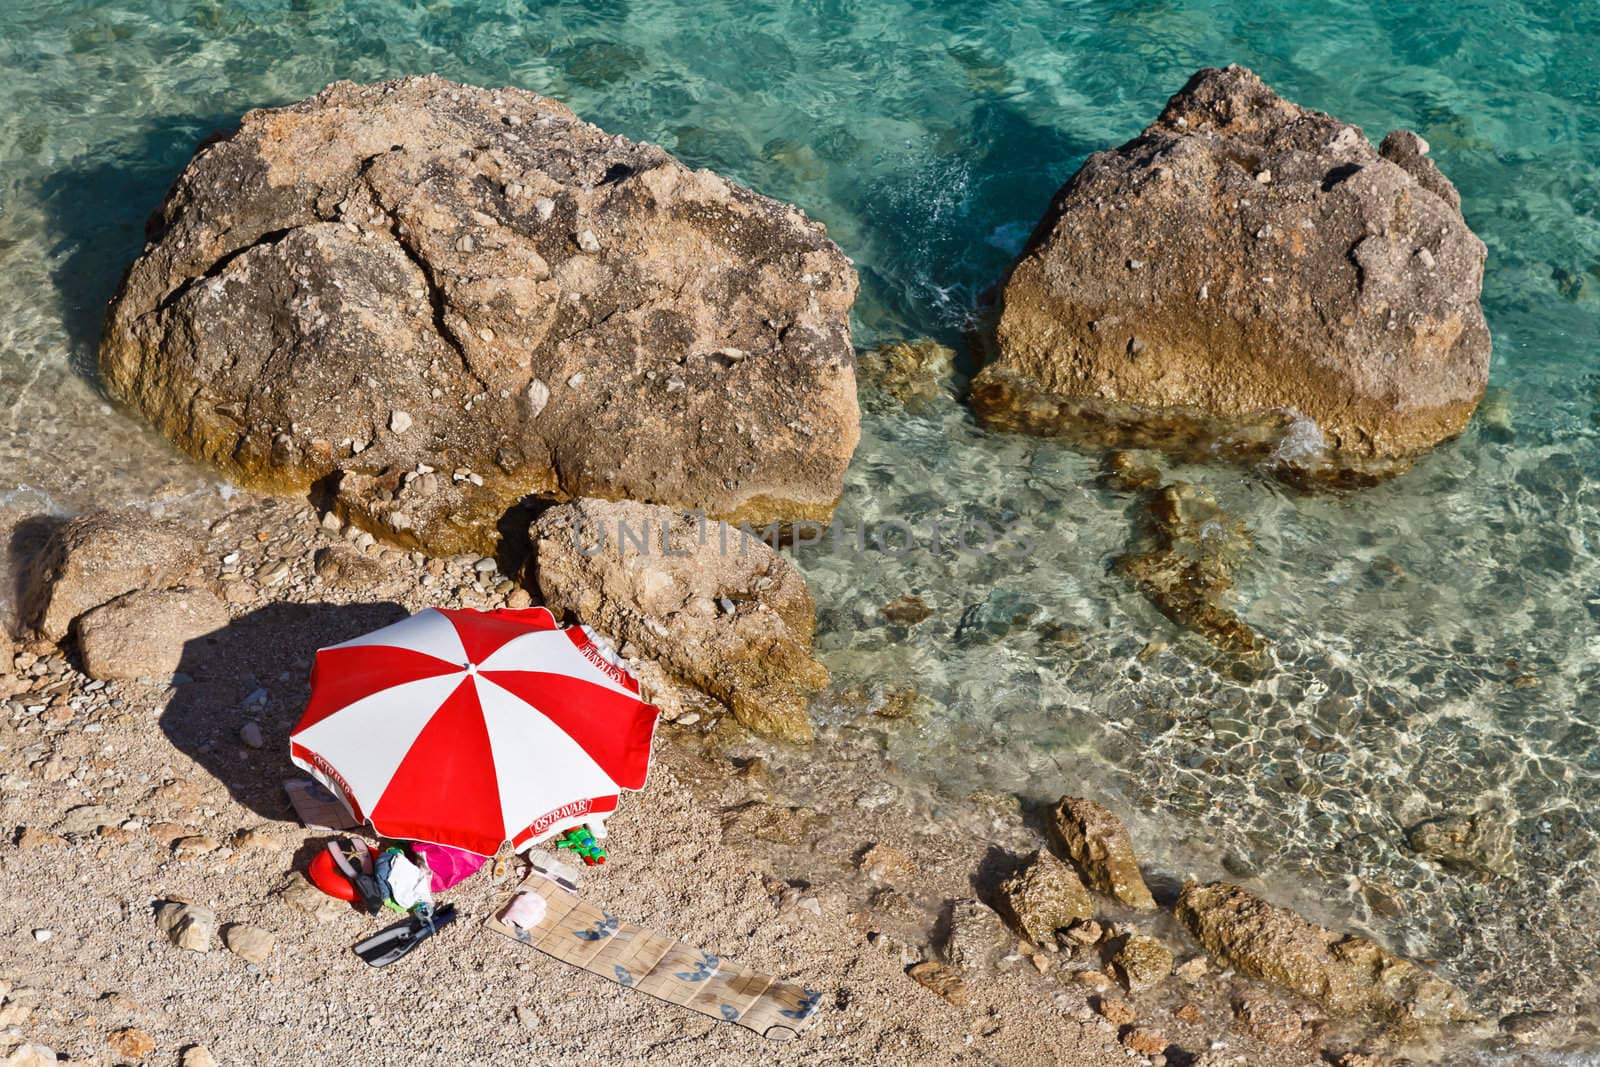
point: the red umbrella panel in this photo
(470, 729)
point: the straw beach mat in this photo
(584, 936)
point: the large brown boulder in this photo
(1247, 278)
(455, 297)
(98, 556)
(1344, 973)
(714, 605)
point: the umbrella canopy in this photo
(469, 729)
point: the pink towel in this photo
(448, 865)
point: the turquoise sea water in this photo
(929, 137)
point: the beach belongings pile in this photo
(553, 920)
(371, 878)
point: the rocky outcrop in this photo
(442, 299)
(1043, 896)
(1186, 566)
(716, 606)
(1099, 846)
(97, 557)
(144, 634)
(1345, 974)
(1247, 278)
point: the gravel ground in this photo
(118, 796)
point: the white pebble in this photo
(538, 397)
(399, 421)
(43, 935)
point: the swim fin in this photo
(386, 946)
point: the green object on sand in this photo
(582, 844)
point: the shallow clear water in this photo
(929, 137)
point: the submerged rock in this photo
(97, 557)
(714, 605)
(879, 701)
(1252, 279)
(424, 274)
(1044, 896)
(1126, 473)
(1345, 974)
(907, 610)
(1099, 846)
(884, 863)
(780, 824)
(130, 1043)
(1144, 1041)
(1479, 840)
(915, 374)
(1539, 1028)
(1187, 570)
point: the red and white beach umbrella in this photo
(469, 728)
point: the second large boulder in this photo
(442, 299)
(1247, 277)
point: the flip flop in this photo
(386, 946)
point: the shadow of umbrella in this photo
(268, 651)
